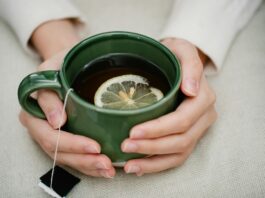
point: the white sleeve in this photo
(210, 25)
(24, 16)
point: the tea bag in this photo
(57, 182)
(63, 182)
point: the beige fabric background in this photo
(228, 162)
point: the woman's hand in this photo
(170, 139)
(78, 152)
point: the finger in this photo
(177, 143)
(159, 163)
(48, 100)
(189, 111)
(52, 107)
(42, 132)
(93, 165)
(191, 65)
(90, 164)
(154, 164)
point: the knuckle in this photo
(185, 124)
(179, 159)
(83, 163)
(185, 143)
(102, 158)
(152, 149)
(176, 160)
(47, 145)
(71, 148)
(147, 147)
(98, 159)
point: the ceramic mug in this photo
(107, 126)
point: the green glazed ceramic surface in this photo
(108, 127)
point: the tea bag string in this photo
(59, 135)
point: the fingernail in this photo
(191, 86)
(136, 133)
(105, 174)
(133, 169)
(100, 165)
(92, 149)
(54, 118)
(130, 147)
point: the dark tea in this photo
(96, 72)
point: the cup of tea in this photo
(91, 63)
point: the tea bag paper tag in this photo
(63, 182)
(57, 182)
(49, 190)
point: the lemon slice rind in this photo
(125, 87)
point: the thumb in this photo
(48, 100)
(191, 64)
(192, 69)
(191, 76)
(52, 107)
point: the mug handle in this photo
(49, 79)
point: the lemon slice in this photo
(126, 92)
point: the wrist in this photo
(54, 36)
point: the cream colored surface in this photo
(228, 162)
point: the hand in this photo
(78, 152)
(171, 138)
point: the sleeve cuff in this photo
(31, 14)
(209, 25)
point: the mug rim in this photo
(128, 35)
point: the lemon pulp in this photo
(126, 92)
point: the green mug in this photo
(107, 126)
